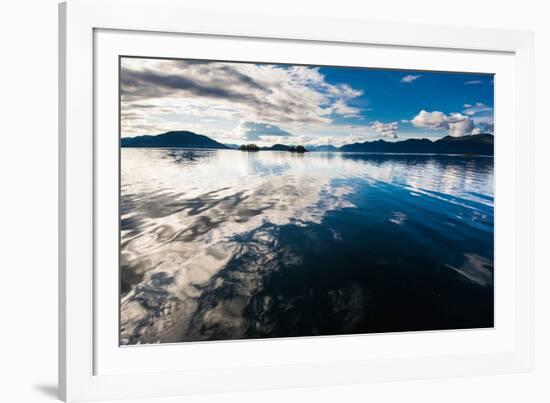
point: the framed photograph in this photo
(256, 201)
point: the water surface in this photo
(224, 244)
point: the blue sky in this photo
(387, 98)
(266, 104)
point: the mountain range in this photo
(478, 144)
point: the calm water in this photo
(219, 245)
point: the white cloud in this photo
(460, 126)
(477, 130)
(346, 111)
(410, 78)
(476, 108)
(433, 120)
(385, 129)
(254, 131)
(456, 124)
(485, 124)
(482, 116)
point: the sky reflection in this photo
(206, 235)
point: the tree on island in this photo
(249, 147)
(276, 147)
(297, 149)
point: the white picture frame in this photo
(81, 323)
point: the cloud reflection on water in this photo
(200, 230)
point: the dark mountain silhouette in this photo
(175, 139)
(479, 144)
(232, 146)
(482, 144)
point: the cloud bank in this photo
(156, 94)
(265, 103)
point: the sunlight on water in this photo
(223, 244)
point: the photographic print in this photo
(262, 200)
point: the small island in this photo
(249, 147)
(297, 149)
(277, 147)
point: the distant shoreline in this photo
(315, 151)
(474, 144)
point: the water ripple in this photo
(205, 235)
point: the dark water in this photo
(219, 245)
